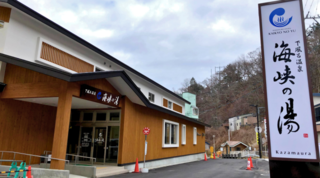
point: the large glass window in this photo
(170, 134)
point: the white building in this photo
(236, 122)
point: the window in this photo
(183, 134)
(194, 135)
(101, 116)
(151, 97)
(317, 114)
(87, 116)
(170, 104)
(195, 111)
(114, 116)
(98, 70)
(170, 134)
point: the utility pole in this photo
(259, 137)
(214, 143)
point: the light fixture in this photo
(2, 86)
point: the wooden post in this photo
(61, 130)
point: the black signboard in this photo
(93, 94)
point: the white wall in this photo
(23, 36)
(233, 122)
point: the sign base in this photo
(280, 169)
(144, 170)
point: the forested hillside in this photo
(229, 92)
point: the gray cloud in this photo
(166, 40)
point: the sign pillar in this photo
(146, 132)
(292, 138)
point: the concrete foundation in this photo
(42, 173)
(167, 162)
(86, 171)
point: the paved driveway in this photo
(219, 168)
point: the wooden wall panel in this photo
(177, 108)
(136, 117)
(165, 102)
(35, 84)
(26, 127)
(64, 59)
(15, 74)
(5, 14)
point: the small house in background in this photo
(229, 146)
(236, 122)
(191, 110)
(250, 121)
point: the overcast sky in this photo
(166, 40)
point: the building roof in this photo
(81, 41)
(233, 143)
(91, 76)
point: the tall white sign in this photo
(290, 119)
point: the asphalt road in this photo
(219, 168)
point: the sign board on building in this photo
(100, 96)
(288, 91)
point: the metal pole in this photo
(259, 140)
(144, 161)
(214, 143)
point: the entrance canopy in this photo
(118, 79)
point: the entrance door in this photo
(99, 143)
(112, 144)
(86, 141)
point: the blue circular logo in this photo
(99, 95)
(279, 21)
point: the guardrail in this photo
(250, 153)
(92, 159)
(30, 155)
